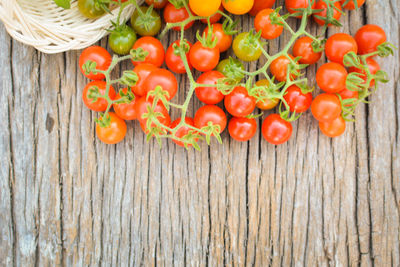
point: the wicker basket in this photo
(51, 29)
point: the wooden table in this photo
(66, 198)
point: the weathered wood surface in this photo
(67, 199)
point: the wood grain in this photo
(67, 199)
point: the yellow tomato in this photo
(267, 103)
(204, 8)
(238, 7)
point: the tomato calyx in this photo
(179, 3)
(212, 130)
(89, 67)
(138, 55)
(104, 120)
(126, 97)
(229, 26)
(183, 46)
(207, 39)
(129, 78)
(145, 17)
(330, 9)
(300, 12)
(159, 94)
(232, 68)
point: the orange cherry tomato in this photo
(263, 23)
(333, 128)
(224, 40)
(100, 104)
(279, 67)
(322, 5)
(303, 48)
(114, 133)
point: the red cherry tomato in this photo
(303, 48)
(154, 47)
(333, 128)
(322, 5)
(263, 23)
(242, 129)
(209, 95)
(182, 131)
(174, 62)
(338, 45)
(126, 111)
(260, 5)
(350, 5)
(276, 130)
(163, 78)
(238, 103)
(203, 58)
(292, 5)
(279, 68)
(369, 37)
(326, 107)
(141, 108)
(224, 40)
(210, 113)
(373, 67)
(142, 70)
(216, 17)
(173, 15)
(157, 4)
(331, 77)
(114, 133)
(297, 101)
(100, 104)
(95, 54)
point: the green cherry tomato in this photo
(147, 22)
(229, 68)
(121, 40)
(90, 9)
(247, 47)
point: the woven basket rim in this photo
(51, 29)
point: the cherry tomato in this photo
(263, 23)
(126, 111)
(209, 95)
(242, 129)
(154, 47)
(322, 5)
(174, 62)
(142, 70)
(204, 58)
(228, 68)
(369, 37)
(122, 39)
(267, 103)
(331, 77)
(373, 67)
(339, 45)
(347, 94)
(100, 104)
(158, 4)
(279, 67)
(291, 5)
(297, 101)
(182, 131)
(260, 5)
(90, 9)
(239, 103)
(172, 15)
(303, 48)
(145, 23)
(163, 78)
(238, 7)
(141, 108)
(276, 130)
(333, 128)
(326, 107)
(350, 5)
(216, 17)
(224, 40)
(246, 48)
(210, 113)
(114, 133)
(98, 55)
(204, 8)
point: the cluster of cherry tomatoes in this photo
(149, 88)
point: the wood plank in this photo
(67, 199)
